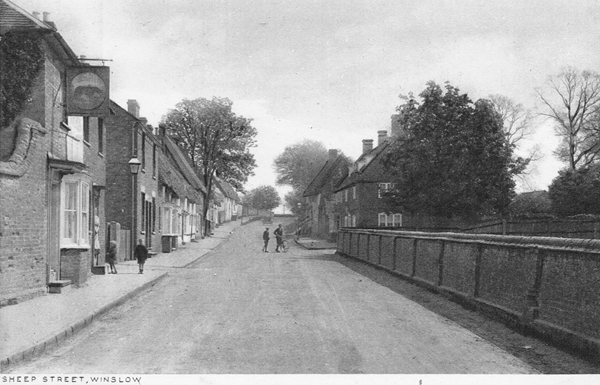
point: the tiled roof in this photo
(367, 168)
(325, 175)
(14, 18)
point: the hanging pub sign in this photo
(88, 91)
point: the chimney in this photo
(381, 137)
(133, 107)
(36, 15)
(46, 19)
(162, 129)
(333, 154)
(396, 127)
(144, 121)
(367, 145)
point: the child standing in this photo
(141, 254)
(266, 239)
(111, 257)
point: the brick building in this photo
(133, 198)
(358, 200)
(321, 220)
(161, 203)
(47, 235)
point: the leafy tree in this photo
(572, 101)
(454, 159)
(292, 199)
(263, 198)
(297, 166)
(299, 163)
(216, 140)
(530, 204)
(576, 192)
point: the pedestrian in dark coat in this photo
(111, 257)
(279, 236)
(141, 254)
(266, 239)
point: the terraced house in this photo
(358, 196)
(52, 158)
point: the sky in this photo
(330, 70)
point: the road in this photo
(238, 310)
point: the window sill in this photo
(87, 143)
(75, 247)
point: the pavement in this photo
(316, 244)
(30, 327)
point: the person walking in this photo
(266, 239)
(279, 236)
(111, 257)
(141, 254)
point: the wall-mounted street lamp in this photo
(134, 167)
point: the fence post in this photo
(414, 258)
(441, 263)
(478, 259)
(380, 240)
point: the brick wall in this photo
(548, 286)
(24, 217)
(23, 227)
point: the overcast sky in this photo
(328, 70)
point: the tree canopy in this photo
(216, 140)
(297, 166)
(263, 198)
(576, 192)
(453, 159)
(299, 163)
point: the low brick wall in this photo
(550, 286)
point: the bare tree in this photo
(517, 119)
(572, 101)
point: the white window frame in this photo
(353, 221)
(80, 212)
(353, 192)
(396, 219)
(346, 195)
(383, 187)
(382, 220)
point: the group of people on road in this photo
(278, 237)
(140, 253)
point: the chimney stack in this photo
(367, 145)
(333, 154)
(36, 15)
(396, 126)
(382, 136)
(162, 129)
(133, 107)
(46, 16)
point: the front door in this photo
(54, 227)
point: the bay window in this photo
(75, 213)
